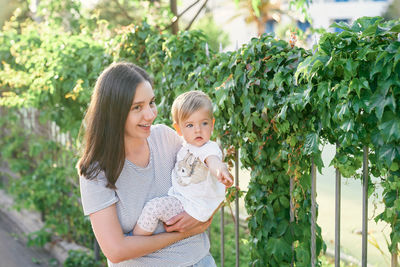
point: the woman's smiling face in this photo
(142, 113)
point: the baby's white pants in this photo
(160, 208)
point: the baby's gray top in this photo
(136, 186)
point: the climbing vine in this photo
(355, 81)
(257, 112)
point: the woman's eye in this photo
(189, 125)
(153, 103)
(205, 123)
(136, 108)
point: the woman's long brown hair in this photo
(104, 122)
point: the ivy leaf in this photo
(355, 85)
(350, 68)
(282, 113)
(390, 127)
(387, 153)
(323, 88)
(368, 25)
(370, 30)
(376, 138)
(284, 201)
(282, 227)
(311, 144)
(344, 110)
(278, 247)
(358, 84)
(341, 25)
(347, 126)
(377, 68)
(269, 101)
(395, 28)
(379, 102)
(303, 68)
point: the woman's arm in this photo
(117, 247)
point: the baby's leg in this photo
(160, 208)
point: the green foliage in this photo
(215, 36)
(43, 72)
(175, 66)
(65, 14)
(123, 13)
(46, 183)
(255, 101)
(354, 78)
(78, 258)
(275, 102)
(130, 44)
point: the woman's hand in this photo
(184, 223)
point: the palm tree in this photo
(260, 12)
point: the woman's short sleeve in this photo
(172, 138)
(95, 195)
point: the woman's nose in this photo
(150, 113)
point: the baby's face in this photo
(197, 128)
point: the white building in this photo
(326, 12)
(322, 12)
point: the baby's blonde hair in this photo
(189, 102)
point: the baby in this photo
(199, 176)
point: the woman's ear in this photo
(177, 128)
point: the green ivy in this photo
(355, 81)
(275, 102)
(254, 106)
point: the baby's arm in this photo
(219, 170)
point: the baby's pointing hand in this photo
(225, 177)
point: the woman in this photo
(126, 162)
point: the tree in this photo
(8, 7)
(260, 12)
(214, 34)
(160, 13)
(392, 11)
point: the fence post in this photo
(222, 236)
(222, 226)
(292, 214)
(365, 208)
(313, 212)
(96, 249)
(337, 216)
(237, 205)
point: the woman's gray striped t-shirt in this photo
(136, 186)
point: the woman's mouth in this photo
(145, 126)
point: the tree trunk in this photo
(260, 27)
(174, 9)
(394, 260)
